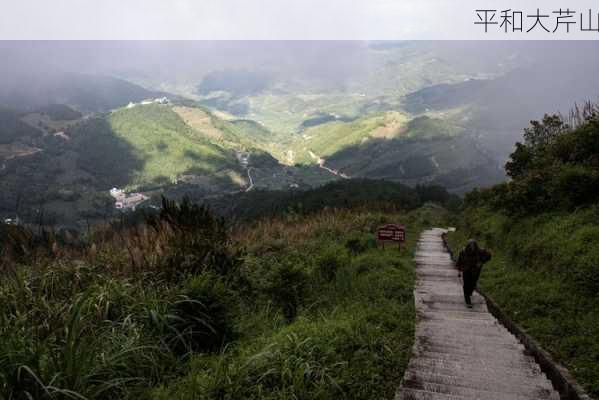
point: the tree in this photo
(520, 161)
(540, 134)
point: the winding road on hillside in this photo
(462, 353)
(321, 162)
(250, 179)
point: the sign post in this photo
(392, 233)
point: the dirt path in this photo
(321, 162)
(10, 152)
(251, 180)
(462, 353)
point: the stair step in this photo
(461, 368)
(461, 329)
(466, 315)
(456, 298)
(468, 346)
(473, 393)
(464, 324)
(427, 304)
(520, 361)
(442, 346)
(485, 361)
(465, 341)
(461, 339)
(423, 256)
(503, 383)
(414, 394)
(501, 352)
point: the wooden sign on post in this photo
(392, 233)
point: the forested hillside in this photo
(12, 128)
(58, 161)
(66, 167)
(167, 146)
(343, 194)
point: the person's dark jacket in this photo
(472, 258)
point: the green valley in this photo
(409, 112)
(165, 145)
(326, 139)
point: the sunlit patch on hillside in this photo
(10, 151)
(237, 178)
(148, 128)
(199, 120)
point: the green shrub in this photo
(585, 263)
(196, 241)
(556, 168)
(373, 261)
(345, 281)
(574, 186)
(360, 242)
(330, 260)
(199, 318)
(287, 285)
(358, 353)
(392, 282)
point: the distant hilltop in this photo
(159, 100)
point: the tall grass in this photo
(185, 307)
(70, 332)
(352, 328)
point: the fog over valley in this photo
(209, 118)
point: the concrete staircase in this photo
(462, 353)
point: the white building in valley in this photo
(124, 201)
(118, 194)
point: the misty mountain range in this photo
(267, 115)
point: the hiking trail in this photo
(461, 353)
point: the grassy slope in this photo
(238, 134)
(354, 331)
(285, 113)
(330, 138)
(539, 274)
(99, 324)
(426, 127)
(203, 122)
(166, 145)
(326, 139)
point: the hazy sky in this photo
(179, 60)
(190, 60)
(263, 19)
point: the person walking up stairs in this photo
(462, 353)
